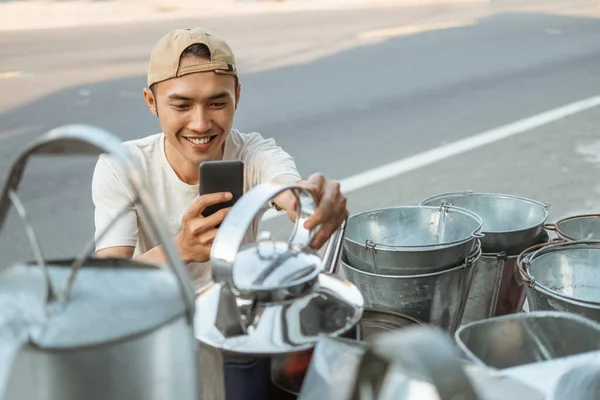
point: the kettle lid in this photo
(112, 299)
(271, 266)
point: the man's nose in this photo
(200, 121)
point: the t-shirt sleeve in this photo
(110, 196)
(266, 160)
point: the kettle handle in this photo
(80, 139)
(230, 235)
(426, 351)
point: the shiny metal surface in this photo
(375, 321)
(437, 298)
(424, 353)
(331, 307)
(510, 223)
(270, 298)
(105, 324)
(524, 338)
(485, 287)
(153, 366)
(554, 378)
(89, 140)
(577, 228)
(564, 277)
(335, 365)
(281, 281)
(411, 239)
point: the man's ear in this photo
(150, 101)
(238, 91)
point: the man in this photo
(194, 91)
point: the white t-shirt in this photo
(263, 161)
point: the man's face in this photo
(195, 113)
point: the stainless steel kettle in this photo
(87, 328)
(270, 299)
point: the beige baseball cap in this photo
(164, 60)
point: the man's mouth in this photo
(201, 140)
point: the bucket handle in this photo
(522, 264)
(426, 351)
(80, 139)
(555, 228)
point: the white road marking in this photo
(432, 156)
(414, 29)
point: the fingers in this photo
(204, 201)
(326, 230)
(331, 204)
(201, 224)
(206, 238)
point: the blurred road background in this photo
(345, 88)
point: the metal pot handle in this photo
(79, 139)
(522, 264)
(550, 227)
(425, 351)
(230, 236)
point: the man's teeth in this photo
(203, 140)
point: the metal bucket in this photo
(510, 223)
(563, 277)
(436, 298)
(524, 338)
(411, 239)
(577, 228)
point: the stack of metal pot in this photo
(415, 260)
(511, 224)
(258, 323)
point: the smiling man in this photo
(194, 91)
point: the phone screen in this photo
(221, 176)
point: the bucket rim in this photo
(476, 234)
(549, 248)
(556, 226)
(544, 206)
(517, 316)
(469, 263)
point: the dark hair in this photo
(195, 50)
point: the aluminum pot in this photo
(510, 223)
(577, 227)
(563, 276)
(436, 298)
(411, 240)
(525, 338)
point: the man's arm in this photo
(154, 256)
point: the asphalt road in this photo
(338, 96)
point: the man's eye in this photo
(217, 105)
(180, 106)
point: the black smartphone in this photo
(221, 176)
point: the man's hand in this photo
(331, 211)
(195, 239)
